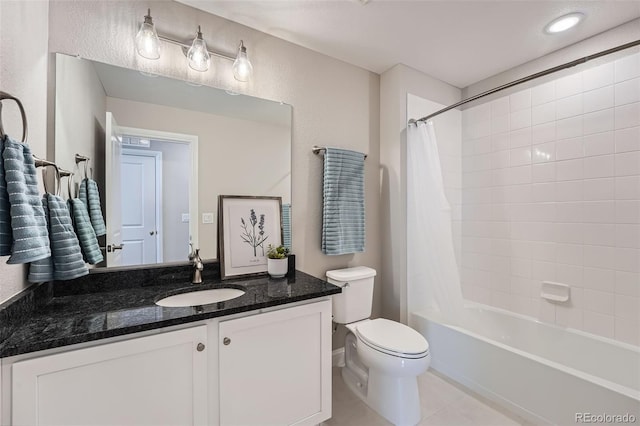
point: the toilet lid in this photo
(391, 336)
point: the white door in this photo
(113, 178)
(275, 368)
(141, 199)
(154, 380)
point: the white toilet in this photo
(383, 358)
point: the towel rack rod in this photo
(321, 149)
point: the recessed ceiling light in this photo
(563, 23)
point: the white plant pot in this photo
(277, 268)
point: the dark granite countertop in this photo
(119, 308)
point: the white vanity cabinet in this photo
(154, 380)
(275, 368)
(262, 368)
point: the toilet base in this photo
(395, 399)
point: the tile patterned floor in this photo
(442, 403)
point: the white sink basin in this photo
(204, 297)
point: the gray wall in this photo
(80, 118)
(23, 73)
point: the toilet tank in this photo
(354, 303)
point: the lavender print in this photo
(249, 234)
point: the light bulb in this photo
(242, 68)
(199, 58)
(563, 23)
(147, 43)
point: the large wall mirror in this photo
(161, 151)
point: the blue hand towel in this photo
(286, 225)
(6, 235)
(343, 219)
(41, 270)
(28, 223)
(65, 248)
(90, 196)
(86, 235)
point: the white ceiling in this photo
(459, 42)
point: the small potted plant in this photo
(277, 261)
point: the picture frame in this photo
(246, 226)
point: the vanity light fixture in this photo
(147, 42)
(563, 23)
(242, 68)
(199, 58)
(197, 53)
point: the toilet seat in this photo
(392, 338)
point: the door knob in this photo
(226, 341)
(200, 347)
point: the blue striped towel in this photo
(286, 225)
(41, 270)
(86, 235)
(343, 225)
(28, 224)
(65, 248)
(90, 196)
(6, 235)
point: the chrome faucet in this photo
(196, 261)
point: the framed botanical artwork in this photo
(246, 226)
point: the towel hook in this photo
(44, 178)
(65, 174)
(39, 162)
(85, 163)
(70, 185)
(5, 95)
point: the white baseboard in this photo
(337, 358)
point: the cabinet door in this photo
(154, 380)
(275, 368)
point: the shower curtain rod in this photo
(529, 78)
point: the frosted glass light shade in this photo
(147, 42)
(242, 68)
(199, 58)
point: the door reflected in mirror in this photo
(162, 151)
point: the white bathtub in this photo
(544, 373)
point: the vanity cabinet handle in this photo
(200, 347)
(226, 341)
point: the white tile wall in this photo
(551, 191)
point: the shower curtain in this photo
(433, 280)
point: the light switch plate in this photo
(207, 217)
(185, 217)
